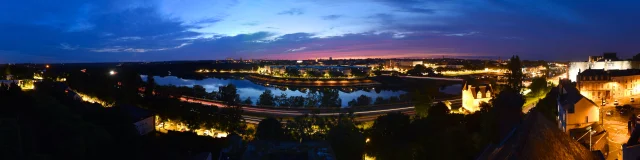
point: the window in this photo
(570, 109)
(587, 119)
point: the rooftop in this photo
(611, 72)
(537, 138)
(135, 113)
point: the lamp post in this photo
(602, 110)
(589, 129)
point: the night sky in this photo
(47, 31)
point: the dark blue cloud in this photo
(70, 33)
(331, 17)
(292, 11)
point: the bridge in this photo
(254, 114)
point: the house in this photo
(472, 96)
(574, 109)
(142, 119)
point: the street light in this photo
(112, 72)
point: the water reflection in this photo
(252, 90)
(455, 89)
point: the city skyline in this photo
(158, 30)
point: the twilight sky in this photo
(46, 31)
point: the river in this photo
(253, 90)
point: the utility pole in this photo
(589, 129)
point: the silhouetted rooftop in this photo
(538, 138)
(611, 72)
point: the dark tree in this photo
(514, 77)
(312, 99)
(362, 100)
(270, 129)
(508, 111)
(247, 101)
(283, 100)
(539, 86)
(352, 103)
(394, 99)
(548, 105)
(296, 101)
(420, 70)
(293, 72)
(199, 91)
(346, 140)
(390, 137)
(312, 73)
(422, 101)
(380, 100)
(358, 73)
(232, 120)
(309, 127)
(484, 107)
(335, 73)
(228, 94)
(151, 86)
(330, 98)
(266, 99)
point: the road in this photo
(616, 126)
(434, 78)
(254, 114)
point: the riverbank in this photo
(302, 82)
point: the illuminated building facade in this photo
(574, 109)
(609, 61)
(608, 85)
(472, 96)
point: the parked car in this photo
(609, 113)
(625, 109)
(615, 102)
(632, 100)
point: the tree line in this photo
(323, 98)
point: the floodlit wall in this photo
(614, 89)
(575, 67)
(585, 112)
(473, 104)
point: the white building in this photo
(472, 96)
(576, 67)
(608, 61)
